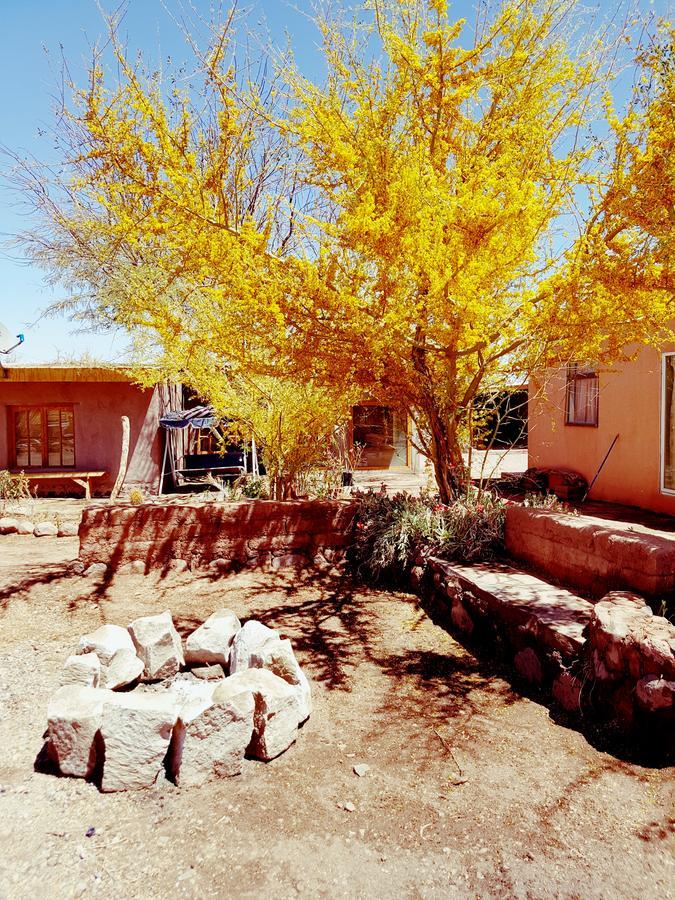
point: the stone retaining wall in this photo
(223, 536)
(592, 554)
(617, 662)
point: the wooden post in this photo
(124, 456)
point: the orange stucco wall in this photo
(98, 407)
(630, 406)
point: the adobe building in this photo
(579, 414)
(61, 425)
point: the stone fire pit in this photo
(134, 702)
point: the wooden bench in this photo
(83, 479)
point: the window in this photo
(668, 424)
(205, 441)
(44, 436)
(581, 403)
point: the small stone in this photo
(211, 642)
(361, 769)
(135, 567)
(125, 668)
(8, 525)
(76, 567)
(527, 664)
(349, 806)
(158, 644)
(136, 730)
(654, 693)
(276, 717)
(98, 568)
(251, 637)
(567, 691)
(277, 656)
(45, 529)
(219, 566)
(68, 529)
(178, 565)
(84, 669)
(105, 642)
(25, 527)
(73, 718)
(208, 673)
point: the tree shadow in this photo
(332, 628)
(34, 576)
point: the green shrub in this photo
(392, 531)
(255, 487)
(14, 487)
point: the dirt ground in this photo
(473, 789)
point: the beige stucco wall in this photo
(629, 405)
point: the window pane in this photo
(669, 425)
(67, 438)
(21, 438)
(583, 388)
(54, 437)
(35, 437)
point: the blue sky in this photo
(33, 34)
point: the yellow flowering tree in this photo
(396, 229)
(623, 266)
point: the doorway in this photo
(381, 433)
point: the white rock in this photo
(276, 715)
(208, 673)
(136, 730)
(158, 644)
(211, 738)
(74, 717)
(25, 527)
(191, 695)
(278, 657)
(105, 642)
(211, 642)
(8, 525)
(82, 669)
(68, 529)
(125, 668)
(97, 568)
(45, 529)
(248, 639)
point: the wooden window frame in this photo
(572, 375)
(43, 407)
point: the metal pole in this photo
(161, 474)
(595, 477)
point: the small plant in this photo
(136, 497)
(255, 487)
(544, 501)
(14, 487)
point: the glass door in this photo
(381, 435)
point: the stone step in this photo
(554, 616)
(595, 555)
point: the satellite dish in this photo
(8, 341)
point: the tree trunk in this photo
(446, 456)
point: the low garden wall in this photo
(227, 536)
(613, 660)
(591, 554)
